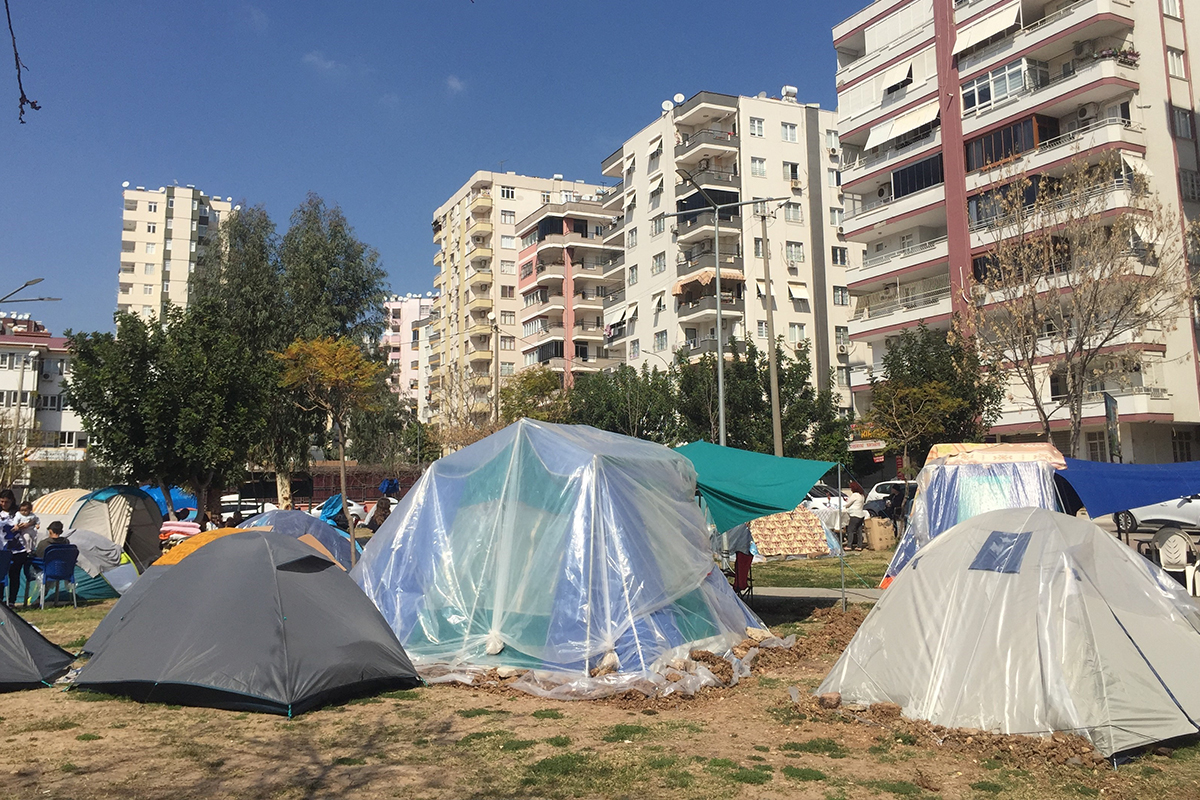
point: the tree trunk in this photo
(283, 488)
(200, 487)
(166, 490)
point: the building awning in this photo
(658, 298)
(1137, 165)
(897, 73)
(798, 291)
(704, 277)
(657, 186)
(633, 310)
(655, 145)
(880, 134)
(630, 199)
(620, 319)
(987, 27)
(901, 124)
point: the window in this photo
(191, 267)
(151, 227)
(762, 329)
(1189, 184)
(508, 292)
(1009, 141)
(1097, 446)
(151, 247)
(916, 177)
(631, 238)
(194, 225)
(508, 268)
(788, 131)
(836, 215)
(545, 198)
(658, 225)
(831, 139)
(148, 289)
(191, 247)
(841, 335)
(635, 348)
(170, 202)
(841, 296)
(843, 377)
(1003, 82)
(660, 341)
(508, 217)
(510, 193)
(1183, 122)
(796, 332)
(758, 245)
(1181, 444)
(125, 288)
(508, 318)
(632, 277)
(152, 208)
(66, 438)
(507, 369)
(195, 205)
(508, 343)
(148, 269)
(169, 244)
(840, 256)
(793, 212)
(1175, 63)
(756, 127)
(658, 264)
(791, 171)
(794, 252)
(131, 205)
(508, 242)
(171, 224)
(656, 198)
(531, 358)
(758, 167)
(1171, 9)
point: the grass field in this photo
(825, 573)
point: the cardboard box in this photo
(879, 533)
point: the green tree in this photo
(906, 416)
(534, 393)
(627, 401)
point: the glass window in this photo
(796, 332)
(508, 242)
(508, 343)
(658, 225)
(788, 131)
(1181, 445)
(1189, 182)
(756, 127)
(658, 264)
(1171, 9)
(918, 176)
(633, 275)
(510, 193)
(791, 171)
(631, 238)
(1097, 445)
(508, 268)
(836, 216)
(831, 139)
(843, 377)
(758, 245)
(152, 207)
(545, 198)
(1183, 122)
(1175, 63)
(833, 177)
(1003, 81)
(793, 212)
(758, 167)
(508, 291)
(508, 217)
(841, 296)
(762, 329)
(660, 341)
(506, 318)
(840, 256)
(841, 335)
(794, 252)
(148, 269)
(507, 368)
(150, 247)
(635, 348)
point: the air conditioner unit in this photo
(885, 191)
(841, 230)
(1088, 111)
(1085, 49)
(843, 349)
(797, 185)
(833, 151)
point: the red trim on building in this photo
(1008, 58)
(858, 337)
(954, 158)
(1061, 424)
(841, 87)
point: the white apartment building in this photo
(401, 341)
(664, 267)
(476, 284)
(33, 369)
(162, 235)
(933, 94)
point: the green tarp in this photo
(739, 485)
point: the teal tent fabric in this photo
(739, 485)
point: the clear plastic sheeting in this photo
(1029, 621)
(559, 549)
(949, 493)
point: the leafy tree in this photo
(337, 379)
(380, 435)
(421, 443)
(627, 401)
(907, 415)
(534, 393)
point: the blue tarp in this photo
(179, 498)
(1107, 488)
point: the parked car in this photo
(230, 503)
(880, 490)
(357, 510)
(823, 496)
(1183, 511)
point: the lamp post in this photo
(717, 208)
(495, 367)
(26, 285)
(30, 358)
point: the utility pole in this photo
(776, 422)
(495, 367)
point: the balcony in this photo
(479, 202)
(1116, 194)
(550, 332)
(703, 345)
(1142, 400)
(614, 234)
(480, 303)
(702, 225)
(707, 261)
(853, 68)
(588, 331)
(479, 227)
(711, 178)
(904, 304)
(612, 165)
(869, 164)
(479, 276)
(588, 363)
(613, 197)
(548, 302)
(587, 301)
(708, 144)
(878, 265)
(702, 107)
(549, 273)
(613, 264)
(929, 202)
(707, 307)
(476, 254)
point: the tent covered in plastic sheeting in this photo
(1029, 621)
(561, 549)
(954, 488)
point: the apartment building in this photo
(476, 231)
(562, 283)
(933, 94)
(664, 271)
(34, 366)
(162, 234)
(401, 341)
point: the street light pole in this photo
(30, 357)
(776, 422)
(495, 367)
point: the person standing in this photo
(15, 543)
(379, 514)
(857, 514)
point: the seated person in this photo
(54, 535)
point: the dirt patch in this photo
(720, 667)
(837, 629)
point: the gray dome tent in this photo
(27, 659)
(254, 621)
(1028, 621)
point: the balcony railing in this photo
(999, 219)
(912, 249)
(871, 205)
(727, 138)
(729, 303)
(867, 161)
(1033, 86)
(705, 218)
(723, 178)
(905, 297)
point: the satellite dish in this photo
(237, 208)
(162, 189)
(667, 105)
(125, 184)
(679, 98)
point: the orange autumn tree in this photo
(336, 377)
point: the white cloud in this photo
(256, 19)
(455, 84)
(317, 60)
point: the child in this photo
(26, 523)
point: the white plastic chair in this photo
(1176, 553)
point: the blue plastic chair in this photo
(5, 560)
(58, 564)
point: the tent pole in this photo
(842, 557)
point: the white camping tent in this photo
(125, 515)
(1028, 621)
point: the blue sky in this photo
(382, 107)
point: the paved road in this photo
(854, 594)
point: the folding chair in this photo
(58, 564)
(1176, 554)
(743, 581)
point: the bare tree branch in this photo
(24, 100)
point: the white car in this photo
(248, 506)
(357, 510)
(1183, 511)
(823, 496)
(880, 490)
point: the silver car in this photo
(1183, 511)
